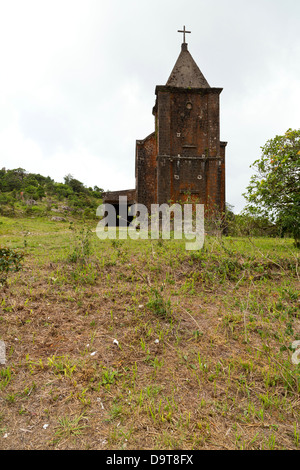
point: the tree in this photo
(76, 185)
(12, 179)
(98, 191)
(62, 190)
(31, 190)
(274, 191)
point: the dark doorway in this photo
(122, 217)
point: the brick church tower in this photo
(184, 156)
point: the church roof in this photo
(186, 73)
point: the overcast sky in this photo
(78, 77)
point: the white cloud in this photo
(78, 78)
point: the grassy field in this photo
(123, 344)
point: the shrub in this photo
(159, 305)
(10, 261)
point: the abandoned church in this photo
(184, 156)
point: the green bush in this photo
(158, 305)
(10, 261)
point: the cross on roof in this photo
(183, 31)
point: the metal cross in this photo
(183, 31)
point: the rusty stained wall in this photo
(184, 155)
(146, 171)
(112, 197)
(188, 121)
(199, 179)
(190, 156)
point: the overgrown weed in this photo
(142, 344)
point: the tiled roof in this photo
(186, 73)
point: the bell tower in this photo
(184, 157)
(190, 155)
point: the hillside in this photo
(140, 344)
(29, 194)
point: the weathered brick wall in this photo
(222, 183)
(145, 170)
(112, 197)
(190, 157)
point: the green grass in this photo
(130, 344)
